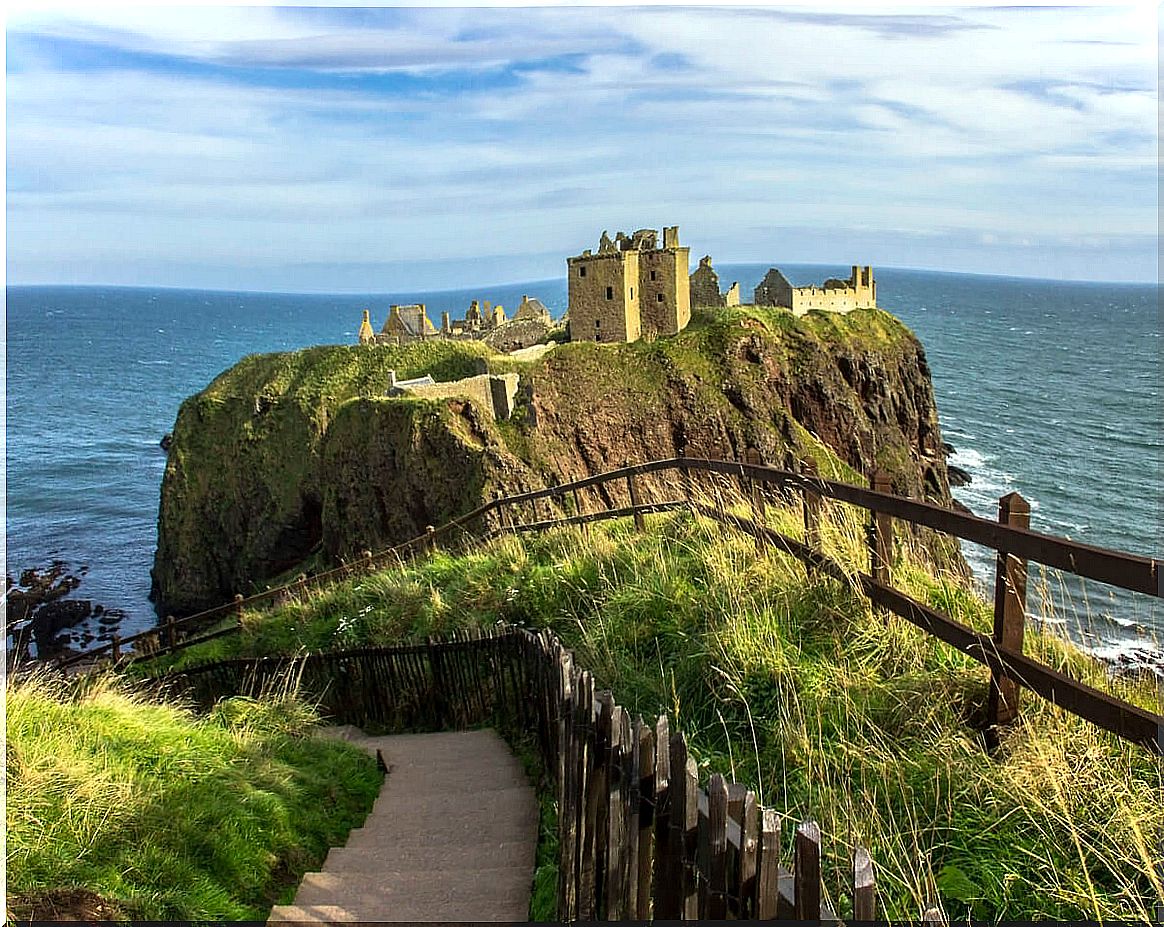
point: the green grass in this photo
(166, 815)
(793, 684)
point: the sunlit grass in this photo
(166, 815)
(792, 683)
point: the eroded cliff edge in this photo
(290, 456)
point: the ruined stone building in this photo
(705, 287)
(405, 324)
(483, 322)
(858, 292)
(630, 288)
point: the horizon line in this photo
(543, 280)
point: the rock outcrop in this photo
(295, 455)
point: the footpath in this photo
(451, 837)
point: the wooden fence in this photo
(639, 837)
(1010, 536)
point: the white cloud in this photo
(1014, 129)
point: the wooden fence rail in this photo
(1010, 536)
(639, 837)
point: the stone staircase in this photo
(451, 837)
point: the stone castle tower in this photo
(631, 287)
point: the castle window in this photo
(632, 295)
(582, 271)
(610, 292)
(652, 275)
(598, 323)
(659, 297)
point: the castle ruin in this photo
(632, 287)
(483, 322)
(858, 292)
(705, 287)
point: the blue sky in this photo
(374, 149)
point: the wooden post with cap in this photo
(880, 531)
(1010, 601)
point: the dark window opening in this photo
(632, 295)
(659, 298)
(652, 275)
(598, 323)
(582, 271)
(610, 292)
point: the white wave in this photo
(1128, 651)
(969, 459)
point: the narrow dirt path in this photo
(451, 837)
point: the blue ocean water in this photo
(1051, 389)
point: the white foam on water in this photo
(969, 459)
(1129, 652)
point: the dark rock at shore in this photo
(948, 448)
(167, 440)
(959, 507)
(958, 476)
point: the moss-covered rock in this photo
(289, 455)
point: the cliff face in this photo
(286, 455)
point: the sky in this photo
(383, 149)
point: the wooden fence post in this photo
(616, 833)
(717, 848)
(749, 857)
(806, 872)
(645, 808)
(171, 635)
(238, 607)
(880, 531)
(759, 513)
(430, 539)
(768, 879)
(664, 881)
(684, 475)
(116, 647)
(864, 887)
(1010, 599)
(633, 490)
(812, 506)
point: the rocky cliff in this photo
(294, 455)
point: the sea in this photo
(1048, 388)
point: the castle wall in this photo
(665, 298)
(732, 296)
(807, 298)
(493, 394)
(604, 297)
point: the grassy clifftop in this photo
(290, 456)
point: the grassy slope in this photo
(795, 685)
(168, 816)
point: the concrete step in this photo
(419, 802)
(451, 837)
(469, 778)
(397, 858)
(311, 914)
(466, 838)
(383, 901)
